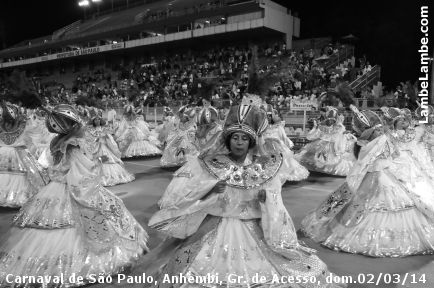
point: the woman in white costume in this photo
(21, 175)
(379, 211)
(72, 226)
(276, 140)
(226, 206)
(331, 149)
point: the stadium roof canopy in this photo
(154, 23)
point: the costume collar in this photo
(256, 170)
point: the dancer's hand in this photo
(220, 187)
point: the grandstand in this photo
(158, 48)
(148, 27)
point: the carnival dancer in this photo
(331, 149)
(20, 173)
(208, 126)
(132, 140)
(146, 129)
(428, 127)
(112, 170)
(226, 206)
(410, 140)
(375, 212)
(39, 133)
(276, 140)
(72, 227)
(168, 125)
(181, 141)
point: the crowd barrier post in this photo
(155, 114)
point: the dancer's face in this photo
(239, 144)
(377, 132)
(402, 124)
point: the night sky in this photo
(389, 31)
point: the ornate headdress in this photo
(331, 112)
(246, 118)
(331, 117)
(252, 99)
(186, 111)
(363, 120)
(56, 120)
(9, 111)
(207, 115)
(167, 111)
(269, 109)
(392, 113)
(418, 114)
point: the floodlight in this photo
(83, 3)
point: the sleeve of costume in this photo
(420, 132)
(183, 206)
(285, 138)
(314, 134)
(111, 144)
(341, 140)
(374, 156)
(279, 231)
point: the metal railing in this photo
(339, 57)
(367, 79)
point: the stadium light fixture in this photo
(96, 1)
(83, 3)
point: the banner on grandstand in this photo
(91, 50)
(296, 105)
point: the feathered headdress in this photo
(259, 84)
(22, 90)
(203, 90)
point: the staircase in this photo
(59, 33)
(344, 54)
(369, 79)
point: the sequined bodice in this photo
(405, 139)
(261, 170)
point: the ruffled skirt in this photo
(20, 176)
(232, 253)
(134, 143)
(379, 220)
(321, 156)
(113, 171)
(55, 234)
(114, 174)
